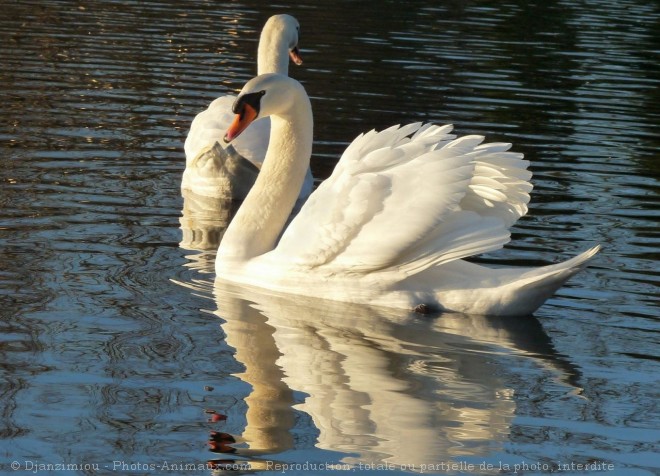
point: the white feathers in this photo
(209, 127)
(412, 185)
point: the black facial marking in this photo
(253, 99)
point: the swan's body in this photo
(217, 170)
(392, 223)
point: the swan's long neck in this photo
(259, 222)
(273, 54)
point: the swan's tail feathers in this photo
(538, 285)
(581, 260)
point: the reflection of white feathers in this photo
(204, 220)
(382, 385)
(393, 222)
(373, 394)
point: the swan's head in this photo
(283, 28)
(263, 96)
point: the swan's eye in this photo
(251, 99)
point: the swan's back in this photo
(210, 125)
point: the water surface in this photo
(114, 343)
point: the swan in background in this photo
(229, 171)
(391, 225)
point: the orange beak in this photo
(240, 123)
(294, 54)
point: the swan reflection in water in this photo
(380, 385)
(204, 220)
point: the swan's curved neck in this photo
(259, 222)
(273, 54)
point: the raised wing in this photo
(406, 197)
(500, 186)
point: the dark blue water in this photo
(115, 347)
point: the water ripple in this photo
(99, 343)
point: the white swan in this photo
(215, 170)
(392, 223)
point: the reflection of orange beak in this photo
(294, 54)
(240, 123)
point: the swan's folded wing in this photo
(390, 193)
(209, 127)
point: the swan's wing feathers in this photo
(376, 206)
(500, 186)
(464, 145)
(209, 127)
(460, 235)
(408, 198)
(422, 194)
(331, 218)
(378, 151)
